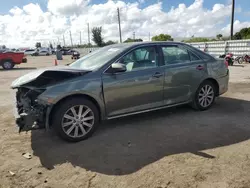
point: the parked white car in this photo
(29, 52)
(41, 53)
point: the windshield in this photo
(98, 58)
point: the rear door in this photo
(183, 73)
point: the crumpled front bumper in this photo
(35, 118)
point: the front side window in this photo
(175, 55)
(141, 58)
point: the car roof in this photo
(131, 44)
(135, 44)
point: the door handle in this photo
(199, 67)
(157, 75)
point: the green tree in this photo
(50, 45)
(133, 40)
(197, 39)
(97, 36)
(110, 42)
(58, 47)
(162, 37)
(38, 45)
(242, 34)
(219, 36)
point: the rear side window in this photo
(200, 53)
(175, 55)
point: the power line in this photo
(119, 23)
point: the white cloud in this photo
(24, 26)
(67, 7)
(237, 27)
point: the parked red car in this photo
(9, 59)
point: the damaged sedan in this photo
(116, 81)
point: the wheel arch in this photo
(4, 60)
(56, 105)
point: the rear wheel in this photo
(205, 96)
(8, 65)
(241, 60)
(76, 119)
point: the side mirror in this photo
(118, 67)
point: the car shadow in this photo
(125, 145)
(19, 68)
(238, 65)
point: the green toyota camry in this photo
(115, 81)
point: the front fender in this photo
(90, 87)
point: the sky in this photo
(25, 22)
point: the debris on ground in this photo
(28, 169)
(12, 173)
(27, 155)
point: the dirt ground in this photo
(170, 148)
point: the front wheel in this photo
(76, 119)
(8, 65)
(204, 96)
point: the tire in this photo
(197, 101)
(65, 109)
(7, 65)
(240, 60)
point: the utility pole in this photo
(134, 35)
(232, 20)
(119, 23)
(149, 37)
(64, 41)
(80, 37)
(71, 38)
(88, 35)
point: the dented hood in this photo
(48, 74)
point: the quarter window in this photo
(193, 57)
(174, 55)
(141, 58)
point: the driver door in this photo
(139, 88)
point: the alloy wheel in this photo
(206, 96)
(78, 121)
